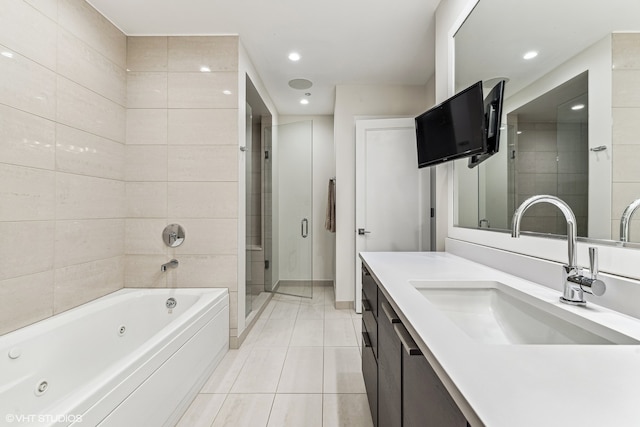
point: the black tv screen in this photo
(452, 129)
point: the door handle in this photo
(362, 232)
(304, 228)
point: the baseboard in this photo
(343, 305)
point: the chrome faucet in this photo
(574, 282)
(171, 264)
(626, 219)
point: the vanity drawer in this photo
(370, 374)
(370, 324)
(369, 291)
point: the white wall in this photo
(353, 101)
(323, 169)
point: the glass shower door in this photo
(290, 166)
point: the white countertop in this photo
(515, 385)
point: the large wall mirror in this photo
(571, 123)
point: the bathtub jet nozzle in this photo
(171, 264)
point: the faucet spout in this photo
(572, 232)
(626, 219)
(171, 264)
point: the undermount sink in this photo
(494, 313)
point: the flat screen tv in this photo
(453, 129)
(493, 121)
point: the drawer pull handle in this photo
(366, 305)
(391, 315)
(408, 343)
(366, 339)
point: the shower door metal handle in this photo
(304, 228)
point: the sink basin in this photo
(494, 313)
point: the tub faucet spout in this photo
(171, 264)
(574, 282)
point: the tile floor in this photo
(299, 366)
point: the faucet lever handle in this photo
(593, 262)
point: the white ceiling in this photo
(498, 33)
(341, 42)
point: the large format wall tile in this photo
(146, 90)
(144, 237)
(26, 139)
(27, 85)
(62, 134)
(82, 64)
(31, 249)
(25, 300)
(27, 31)
(203, 90)
(203, 126)
(203, 163)
(147, 53)
(146, 163)
(192, 53)
(84, 109)
(27, 194)
(146, 126)
(82, 241)
(146, 199)
(208, 236)
(85, 197)
(203, 199)
(84, 153)
(86, 23)
(81, 283)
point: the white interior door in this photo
(389, 199)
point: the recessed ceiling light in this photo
(226, 92)
(7, 54)
(519, 132)
(577, 107)
(304, 101)
(294, 56)
(530, 55)
(205, 69)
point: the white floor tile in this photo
(339, 333)
(203, 410)
(244, 410)
(285, 310)
(261, 371)
(343, 370)
(311, 311)
(225, 374)
(346, 410)
(302, 371)
(275, 333)
(332, 313)
(308, 333)
(296, 410)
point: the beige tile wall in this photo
(182, 162)
(62, 135)
(626, 129)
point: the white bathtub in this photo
(122, 360)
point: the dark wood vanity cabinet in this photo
(370, 341)
(402, 387)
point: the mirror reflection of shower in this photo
(551, 154)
